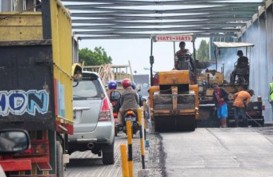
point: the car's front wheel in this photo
(108, 154)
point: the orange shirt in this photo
(240, 98)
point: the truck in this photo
(36, 88)
(173, 101)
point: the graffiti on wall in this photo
(19, 102)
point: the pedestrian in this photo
(220, 97)
(271, 95)
(241, 101)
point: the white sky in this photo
(138, 52)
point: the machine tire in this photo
(108, 154)
(192, 124)
(59, 162)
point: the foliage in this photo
(96, 57)
(203, 51)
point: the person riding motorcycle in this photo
(133, 84)
(129, 98)
(114, 96)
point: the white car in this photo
(94, 127)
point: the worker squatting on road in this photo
(241, 101)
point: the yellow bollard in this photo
(140, 120)
(124, 162)
(130, 147)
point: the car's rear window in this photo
(87, 89)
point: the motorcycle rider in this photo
(114, 95)
(129, 98)
(133, 84)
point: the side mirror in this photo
(13, 141)
(76, 73)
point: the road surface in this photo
(86, 164)
(206, 152)
(214, 152)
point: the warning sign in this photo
(174, 38)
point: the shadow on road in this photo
(85, 162)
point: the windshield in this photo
(87, 89)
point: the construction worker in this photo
(271, 95)
(241, 101)
(182, 58)
(184, 61)
(220, 97)
(242, 63)
(129, 98)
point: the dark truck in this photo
(36, 89)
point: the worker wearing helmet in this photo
(129, 97)
(241, 101)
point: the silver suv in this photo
(94, 127)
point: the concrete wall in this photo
(260, 32)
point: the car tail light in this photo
(130, 113)
(115, 115)
(105, 113)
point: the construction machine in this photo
(174, 101)
(205, 81)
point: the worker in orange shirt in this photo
(241, 100)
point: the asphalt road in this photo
(214, 152)
(86, 164)
(206, 152)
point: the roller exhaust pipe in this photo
(90, 145)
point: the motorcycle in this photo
(130, 115)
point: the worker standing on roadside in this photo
(220, 97)
(271, 95)
(241, 101)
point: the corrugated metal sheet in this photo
(261, 63)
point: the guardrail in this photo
(127, 165)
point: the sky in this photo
(138, 51)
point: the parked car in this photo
(94, 127)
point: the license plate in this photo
(132, 119)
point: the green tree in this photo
(203, 51)
(96, 57)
